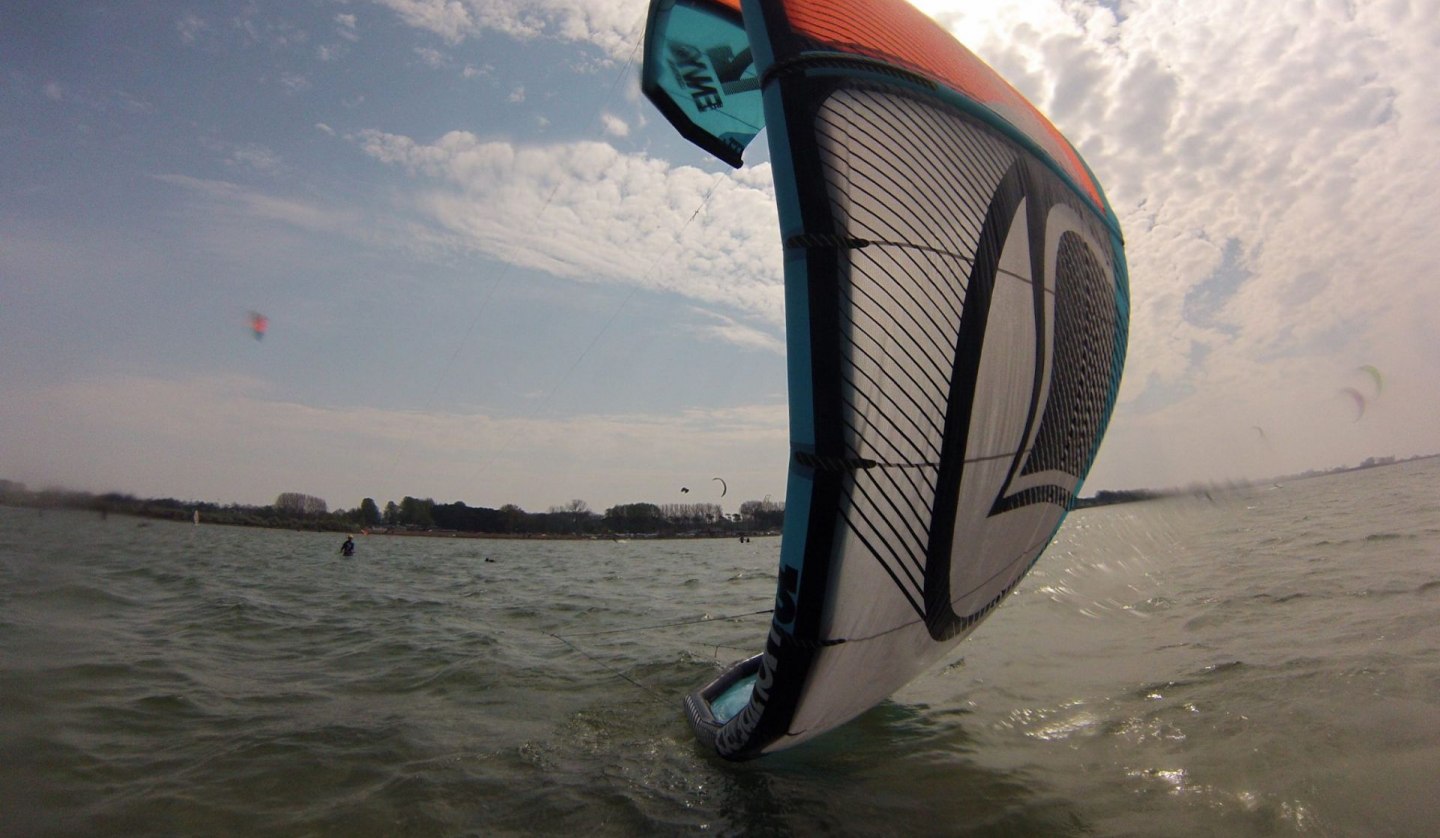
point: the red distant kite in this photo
(258, 324)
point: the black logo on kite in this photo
(1065, 418)
(709, 74)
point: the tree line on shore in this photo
(295, 510)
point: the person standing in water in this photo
(348, 548)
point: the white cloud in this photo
(613, 25)
(729, 330)
(133, 104)
(517, 95)
(345, 27)
(1267, 176)
(190, 28)
(432, 58)
(586, 211)
(294, 83)
(256, 157)
(449, 19)
(614, 126)
(257, 204)
(276, 33)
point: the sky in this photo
(494, 274)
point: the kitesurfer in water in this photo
(348, 548)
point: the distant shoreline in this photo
(506, 536)
(403, 533)
(1106, 497)
(16, 496)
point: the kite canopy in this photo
(1358, 398)
(704, 81)
(1375, 377)
(956, 322)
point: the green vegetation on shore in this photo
(413, 516)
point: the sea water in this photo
(1260, 661)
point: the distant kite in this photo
(258, 324)
(685, 490)
(1259, 430)
(1359, 400)
(1375, 376)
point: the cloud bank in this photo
(1276, 221)
(1270, 178)
(587, 212)
(613, 25)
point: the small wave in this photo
(1160, 689)
(161, 705)
(1082, 723)
(1154, 604)
(1280, 597)
(462, 677)
(1391, 589)
(1225, 667)
(1372, 538)
(81, 596)
(1204, 621)
(91, 673)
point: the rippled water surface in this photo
(1258, 662)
